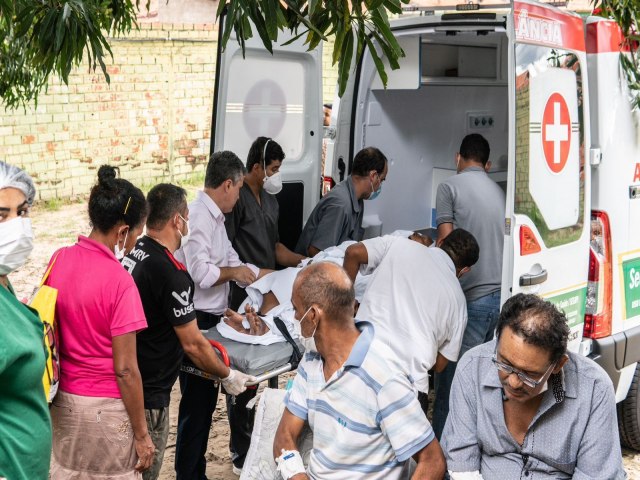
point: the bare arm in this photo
(263, 272)
(199, 350)
(125, 364)
(444, 229)
(287, 436)
(355, 256)
(241, 274)
(313, 251)
(431, 462)
(441, 363)
(286, 257)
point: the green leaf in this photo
(293, 39)
(269, 9)
(394, 6)
(345, 62)
(337, 45)
(228, 24)
(221, 6)
(376, 60)
(382, 25)
(373, 4)
(258, 21)
(60, 32)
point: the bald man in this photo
(356, 397)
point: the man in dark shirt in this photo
(338, 215)
(252, 228)
(166, 290)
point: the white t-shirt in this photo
(415, 302)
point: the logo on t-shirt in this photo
(183, 298)
(128, 265)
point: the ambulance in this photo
(544, 86)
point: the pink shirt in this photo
(97, 300)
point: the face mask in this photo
(308, 343)
(184, 237)
(120, 252)
(273, 184)
(375, 193)
(16, 244)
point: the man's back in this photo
(365, 419)
(471, 200)
(415, 302)
(166, 291)
(336, 218)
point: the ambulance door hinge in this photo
(595, 157)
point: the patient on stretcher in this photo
(270, 296)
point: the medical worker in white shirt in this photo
(414, 298)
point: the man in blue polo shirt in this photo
(356, 397)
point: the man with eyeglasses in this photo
(522, 406)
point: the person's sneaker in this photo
(237, 471)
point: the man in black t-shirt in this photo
(166, 291)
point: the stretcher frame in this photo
(269, 374)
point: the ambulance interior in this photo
(450, 84)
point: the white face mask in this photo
(16, 244)
(273, 184)
(120, 252)
(308, 343)
(184, 237)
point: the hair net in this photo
(11, 176)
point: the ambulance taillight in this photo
(597, 319)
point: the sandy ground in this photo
(58, 227)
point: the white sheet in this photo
(280, 283)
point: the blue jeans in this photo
(482, 316)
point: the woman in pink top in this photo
(99, 427)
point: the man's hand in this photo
(234, 384)
(243, 275)
(256, 324)
(145, 450)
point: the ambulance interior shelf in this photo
(263, 361)
(442, 59)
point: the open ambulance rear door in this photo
(548, 198)
(277, 96)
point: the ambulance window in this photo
(549, 142)
(265, 97)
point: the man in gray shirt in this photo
(338, 215)
(471, 200)
(524, 407)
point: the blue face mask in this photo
(375, 193)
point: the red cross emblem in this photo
(556, 132)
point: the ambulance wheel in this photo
(629, 414)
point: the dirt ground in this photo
(60, 226)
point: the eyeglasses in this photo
(524, 378)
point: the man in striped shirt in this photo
(357, 398)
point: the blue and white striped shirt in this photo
(366, 419)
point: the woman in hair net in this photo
(25, 426)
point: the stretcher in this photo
(265, 362)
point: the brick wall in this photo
(153, 121)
